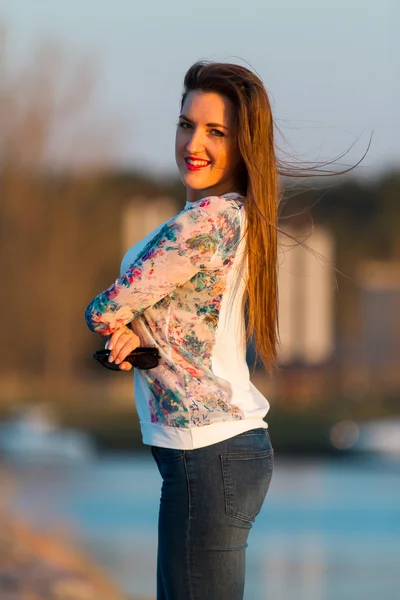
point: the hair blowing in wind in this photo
(259, 179)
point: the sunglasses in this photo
(145, 357)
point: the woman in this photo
(184, 289)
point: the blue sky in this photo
(332, 69)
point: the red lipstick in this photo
(195, 164)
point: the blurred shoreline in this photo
(81, 430)
(36, 565)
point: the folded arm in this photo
(185, 245)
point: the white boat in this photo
(382, 436)
(33, 435)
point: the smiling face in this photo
(206, 151)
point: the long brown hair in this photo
(258, 180)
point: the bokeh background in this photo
(89, 97)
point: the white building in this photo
(379, 288)
(141, 215)
(306, 297)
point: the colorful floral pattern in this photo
(172, 295)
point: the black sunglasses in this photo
(144, 357)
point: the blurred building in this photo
(379, 302)
(306, 297)
(141, 215)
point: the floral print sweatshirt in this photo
(182, 288)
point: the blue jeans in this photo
(210, 498)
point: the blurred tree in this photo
(50, 217)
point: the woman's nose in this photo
(195, 143)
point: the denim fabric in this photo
(210, 498)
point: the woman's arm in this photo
(185, 245)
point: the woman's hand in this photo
(122, 342)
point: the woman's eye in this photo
(217, 132)
(214, 132)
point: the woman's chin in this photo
(194, 182)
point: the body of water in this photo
(329, 528)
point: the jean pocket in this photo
(246, 478)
